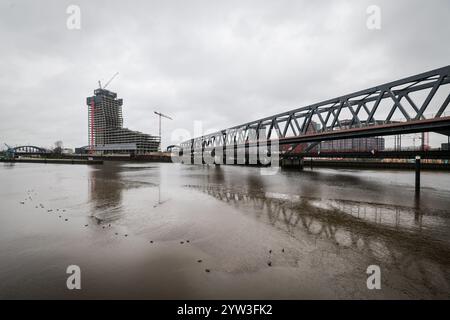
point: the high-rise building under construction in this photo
(105, 127)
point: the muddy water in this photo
(171, 231)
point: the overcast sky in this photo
(219, 62)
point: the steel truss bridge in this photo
(414, 104)
(30, 150)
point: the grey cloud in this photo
(222, 62)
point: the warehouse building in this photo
(354, 145)
(351, 145)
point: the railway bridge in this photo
(411, 105)
(30, 150)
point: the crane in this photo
(9, 152)
(104, 87)
(164, 116)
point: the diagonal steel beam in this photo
(375, 106)
(443, 107)
(355, 114)
(336, 116)
(398, 105)
(411, 102)
(429, 97)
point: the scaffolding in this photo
(105, 127)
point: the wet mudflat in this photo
(148, 230)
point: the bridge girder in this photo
(341, 117)
(30, 150)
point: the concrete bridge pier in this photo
(293, 163)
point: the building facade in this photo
(354, 145)
(351, 145)
(105, 128)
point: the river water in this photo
(161, 230)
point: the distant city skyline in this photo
(219, 63)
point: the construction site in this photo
(105, 128)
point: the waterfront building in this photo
(105, 128)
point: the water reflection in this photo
(338, 179)
(417, 211)
(9, 165)
(393, 237)
(161, 200)
(216, 175)
(105, 193)
(106, 186)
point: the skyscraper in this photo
(105, 127)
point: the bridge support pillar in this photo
(417, 184)
(300, 164)
(292, 163)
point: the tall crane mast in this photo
(164, 116)
(9, 152)
(107, 83)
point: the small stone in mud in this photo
(187, 241)
(151, 241)
(269, 264)
(207, 270)
(282, 250)
(199, 261)
(270, 251)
